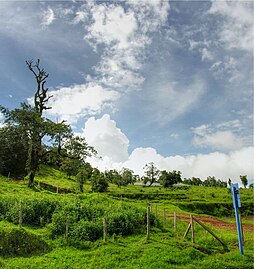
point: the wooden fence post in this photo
(104, 229)
(209, 231)
(192, 229)
(186, 233)
(174, 221)
(156, 211)
(20, 213)
(148, 223)
(57, 189)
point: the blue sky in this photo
(168, 82)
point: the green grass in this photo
(165, 249)
(162, 251)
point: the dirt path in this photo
(220, 224)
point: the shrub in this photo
(85, 220)
(87, 230)
(35, 211)
(18, 242)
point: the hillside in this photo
(46, 212)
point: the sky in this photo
(169, 82)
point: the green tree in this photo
(115, 177)
(98, 181)
(168, 179)
(210, 182)
(151, 173)
(193, 181)
(31, 122)
(84, 173)
(76, 147)
(244, 180)
(13, 152)
(70, 166)
(127, 176)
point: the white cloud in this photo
(112, 145)
(112, 25)
(70, 103)
(125, 33)
(237, 27)
(48, 17)
(224, 136)
(222, 140)
(106, 138)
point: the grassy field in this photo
(45, 212)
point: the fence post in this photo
(156, 211)
(20, 213)
(174, 221)
(148, 223)
(104, 229)
(192, 229)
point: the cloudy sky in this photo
(168, 82)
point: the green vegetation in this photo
(42, 243)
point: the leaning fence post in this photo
(20, 213)
(104, 229)
(148, 223)
(174, 221)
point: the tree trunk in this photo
(31, 179)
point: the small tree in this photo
(244, 180)
(151, 173)
(127, 176)
(84, 173)
(98, 181)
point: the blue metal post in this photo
(237, 204)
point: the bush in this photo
(85, 220)
(87, 230)
(35, 211)
(18, 242)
